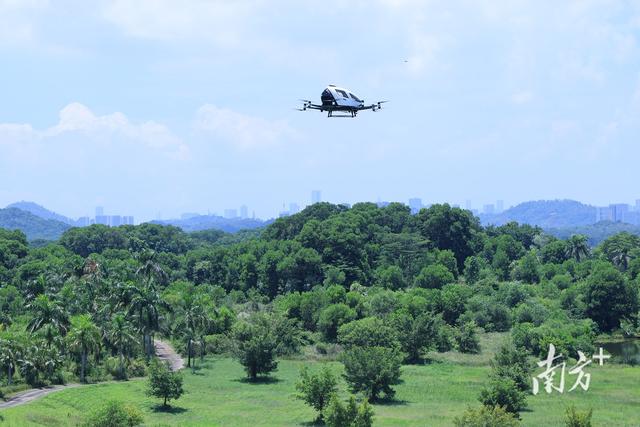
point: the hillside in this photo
(207, 222)
(41, 211)
(595, 232)
(546, 214)
(32, 225)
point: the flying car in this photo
(344, 102)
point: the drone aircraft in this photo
(336, 99)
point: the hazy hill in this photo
(40, 211)
(595, 232)
(207, 222)
(546, 214)
(32, 225)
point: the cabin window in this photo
(354, 97)
(343, 93)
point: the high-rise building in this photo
(102, 219)
(467, 205)
(230, 213)
(99, 211)
(293, 208)
(499, 206)
(128, 220)
(83, 221)
(316, 196)
(244, 212)
(619, 211)
(415, 204)
(115, 220)
(638, 205)
(603, 214)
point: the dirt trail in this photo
(33, 394)
(166, 353)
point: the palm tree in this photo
(84, 336)
(121, 336)
(9, 356)
(146, 304)
(578, 247)
(47, 311)
(618, 249)
(150, 270)
(193, 322)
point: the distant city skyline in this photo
(625, 212)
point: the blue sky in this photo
(160, 106)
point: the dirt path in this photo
(166, 353)
(33, 394)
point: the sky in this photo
(157, 107)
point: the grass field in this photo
(430, 395)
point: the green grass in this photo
(430, 395)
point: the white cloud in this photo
(244, 131)
(78, 118)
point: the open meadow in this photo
(218, 394)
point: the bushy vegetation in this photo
(115, 414)
(372, 287)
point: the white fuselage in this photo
(340, 97)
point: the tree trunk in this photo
(121, 364)
(165, 401)
(189, 354)
(10, 375)
(83, 364)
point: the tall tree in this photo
(450, 228)
(578, 247)
(47, 311)
(84, 337)
(121, 335)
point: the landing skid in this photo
(350, 115)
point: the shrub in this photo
(485, 416)
(217, 344)
(434, 276)
(575, 418)
(367, 332)
(136, 368)
(531, 311)
(372, 370)
(513, 363)
(115, 414)
(164, 383)
(332, 317)
(317, 389)
(351, 415)
(505, 393)
(609, 297)
(416, 335)
(467, 339)
(255, 346)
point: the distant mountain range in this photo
(546, 214)
(41, 212)
(207, 222)
(33, 226)
(37, 222)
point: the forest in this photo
(376, 289)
